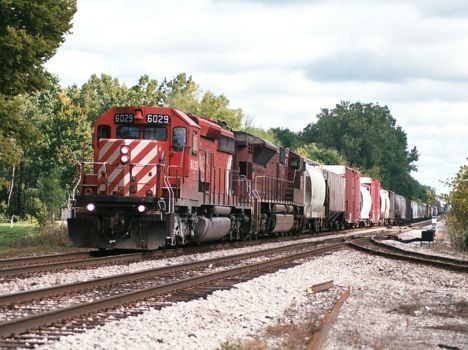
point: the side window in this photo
(179, 138)
(104, 132)
(194, 143)
(227, 144)
(128, 132)
(155, 133)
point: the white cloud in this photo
(281, 61)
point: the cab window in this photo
(179, 138)
(155, 133)
(104, 132)
(128, 132)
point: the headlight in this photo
(141, 208)
(90, 207)
(124, 159)
(124, 150)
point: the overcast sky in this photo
(282, 61)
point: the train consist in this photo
(163, 177)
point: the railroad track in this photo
(156, 294)
(13, 268)
(373, 246)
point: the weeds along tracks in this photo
(104, 298)
(373, 246)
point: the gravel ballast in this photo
(393, 305)
(72, 276)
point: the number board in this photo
(123, 118)
(157, 119)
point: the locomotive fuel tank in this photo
(211, 229)
(282, 223)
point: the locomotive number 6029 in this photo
(122, 118)
(157, 118)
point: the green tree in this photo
(368, 138)
(217, 107)
(17, 131)
(322, 155)
(98, 94)
(30, 33)
(250, 128)
(62, 129)
(146, 93)
(286, 137)
(183, 93)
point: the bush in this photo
(52, 235)
(458, 237)
(458, 214)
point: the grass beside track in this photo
(26, 238)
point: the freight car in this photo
(373, 187)
(164, 177)
(351, 195)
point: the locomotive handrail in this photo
(81, 165)
(78, 178)
(170, 191)
(272, 196)
(249, 187)
(271, 177)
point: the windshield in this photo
(128, 132)
(155, 133)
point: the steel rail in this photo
(22, 325)
(35, 259)
(422, 255)
(408, 256)
(68, 264)
(31, 295)
(176, 251)
(320, 337)
(121, 256)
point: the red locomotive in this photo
(164, 177)
(161, 176)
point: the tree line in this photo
(47, 128)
